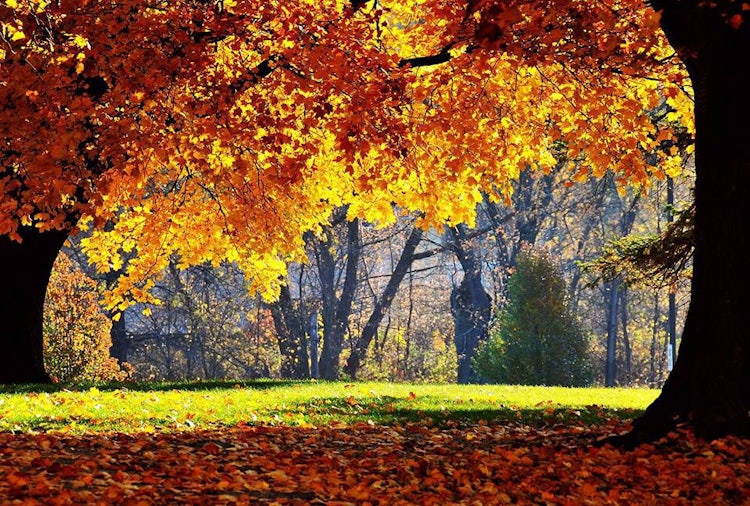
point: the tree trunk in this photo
(654, 355)
(120, 348)
(672, 311)
(629, 211)
(628, 374)
(610, 363)
(336, 310)
(708, 387)
(470, 307)
(290, 330)
(26, 270)
(314, 338)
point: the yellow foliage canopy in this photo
(223, 132)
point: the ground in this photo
(370, 464)
(305, 443)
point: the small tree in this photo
(76, 331)
(538, 340)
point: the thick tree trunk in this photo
(470, 306)
(290, 329)
(120, 340)
(24, 273)
(708, 387)
(120, 348)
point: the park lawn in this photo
(164, 407)
(302, 443)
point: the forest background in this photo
(397, 292)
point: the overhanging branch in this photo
(443, 56)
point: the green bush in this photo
(537, 340)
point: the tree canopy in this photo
(223, 130)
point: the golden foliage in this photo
(223, 132)
(76, 332)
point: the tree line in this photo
(400, 303)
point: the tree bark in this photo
(672, 311)
(708, 387)
(26, 268)
(610, 363)
(470, 307)
(120, 348)
(290, 329)
(654, 354)
(336, 310)
(628, 373)
(314, 338)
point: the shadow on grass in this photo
(441, 412)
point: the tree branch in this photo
(443, 56)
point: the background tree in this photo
(205, 326)
(291, 324)
(470, 304)
(538, 340)
(382, 303)
(76, 331)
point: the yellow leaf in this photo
(81, 42)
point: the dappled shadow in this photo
(441, 412)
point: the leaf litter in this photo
(370, 464)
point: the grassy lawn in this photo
(169, 407)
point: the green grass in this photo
(184, 406)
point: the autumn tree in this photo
(76, 331)
(249, 121)
(169, 121)
(708, 386)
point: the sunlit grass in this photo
(184, 406)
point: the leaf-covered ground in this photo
(341, 443)
(413, 463)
